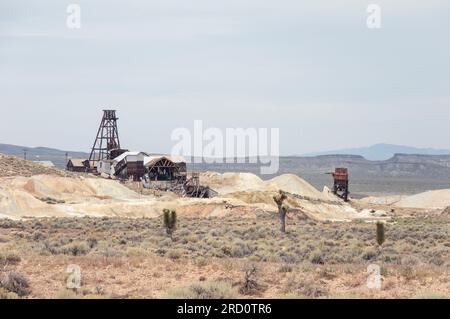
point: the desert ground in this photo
(229, 246)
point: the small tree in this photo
(170, 221)
(282, 209)
(250, 284)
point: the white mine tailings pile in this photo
(244, 194)
(437, 199)
(304, 198)
(31, 190)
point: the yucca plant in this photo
(170, 221)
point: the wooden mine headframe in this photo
(107, 138)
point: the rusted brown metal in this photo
(340, 186)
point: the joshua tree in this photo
(282, 209)
(170, 221)
(380, 233)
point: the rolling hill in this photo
(58, 157)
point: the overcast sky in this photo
(311, 68)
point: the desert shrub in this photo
(317, 257)
(307, 288)
(4, 239)
(5, 294)
(76, 249)
(438, 261)
(391, 259)
(66, 294)
(9, 223)
(287, 257)
(408, 272)
(202, 290)
(65, 245)
(240, 248)
(410, 261)
(175, 253)
(9, 259)
(285, 268)
(369, 254)
(92, 243)
(201, 261)
(15, 282)
(327, 273)
(109, 252)
(38, 235)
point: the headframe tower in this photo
(107, 139)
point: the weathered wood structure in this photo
(107, 143)
(340, 186)
(165, 168)
(77, 165)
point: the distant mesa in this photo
(382, 152)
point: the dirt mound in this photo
(49, 195)
(231, 182)
(383, 200)
(295, 185)
(246, 182)
(437, 199)
(14, 166)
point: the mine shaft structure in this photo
(340, 186)
(107, 144)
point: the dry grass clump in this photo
(430, 295)
(15, 282)
(306, 288)
(9, 259)
(71, 248)
(96, 294)
(202, 290)
(5, 294)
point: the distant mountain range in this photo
(381, 152)
(58, 157)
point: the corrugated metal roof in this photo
(123, 155)
(150, 160)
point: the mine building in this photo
(77, 165)
(165, 168)
(128, 164)
(104, 166)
